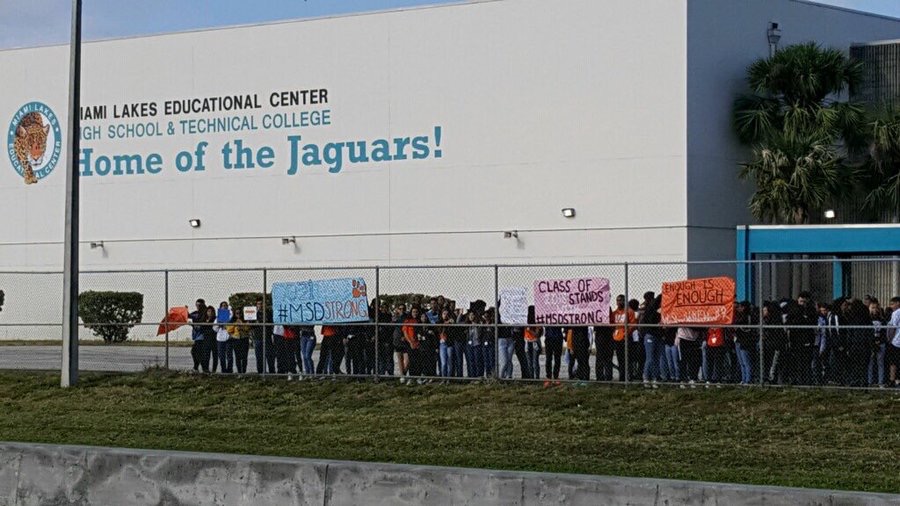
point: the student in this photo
(620, 316)
(331, 339)
(400, 341)
(745, 340)
(446, 345)
(428, 346)
(290, 344)
(411, 340)
(281, 366)
(474, 346)
(603, 343)
(307, 345)
(688, 340)
(892, 350)
(488, 342)
(240, 341)
(532, 336)
(263, 346)
(384, 346)
(198, 348)
(210, 352)
(223, 339)
(653, 344)
(859, 342)
(715, 355)
(553, 343)
(879, 345)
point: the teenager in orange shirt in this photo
(619, 318)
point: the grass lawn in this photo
(807, 438)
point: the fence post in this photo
(377, 318)
(627, 342)
(762, 352)
(265, 357)
(167, 317)
(496, 323)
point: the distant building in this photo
(881, 71)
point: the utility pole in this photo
(70, 269)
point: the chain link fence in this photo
(797, 321)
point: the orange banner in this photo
(701, 301)
(176, 317)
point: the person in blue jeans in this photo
(489, 343)
(446, 344)
(672, 356)
(507, 352)
(307, 345)
(263, 346)
(223, 340)
(654, 349)
(475, 346)
(746, 338)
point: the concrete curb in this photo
(36, 474)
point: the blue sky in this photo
(26, 23)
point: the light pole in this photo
(70, 267)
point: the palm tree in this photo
(880, 178)
(799, 133)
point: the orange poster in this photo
(701, 301)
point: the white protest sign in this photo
(514, 305)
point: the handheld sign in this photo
(702, 300)
(320, 302)
(250, 313)
(576, 301)
(223, 315)
(513, 305)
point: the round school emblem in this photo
(34, 141)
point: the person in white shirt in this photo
(892, 353)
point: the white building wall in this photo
(542, 105)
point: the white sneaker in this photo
(402, 380)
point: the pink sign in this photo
(576, 301)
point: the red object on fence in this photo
(177, 317)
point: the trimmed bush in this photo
(98, 310)
(244, 299)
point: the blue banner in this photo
(320, 302)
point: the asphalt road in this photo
(122, 358)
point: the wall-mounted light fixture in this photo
(509, 234)
(773, 34)
(194, 222)
(568, 212)
(829, 214)
(289, 240)
(95, 245)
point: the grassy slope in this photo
(847, 440)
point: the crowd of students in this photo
(848, 342)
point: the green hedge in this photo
(98, 310)
(243, 299)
